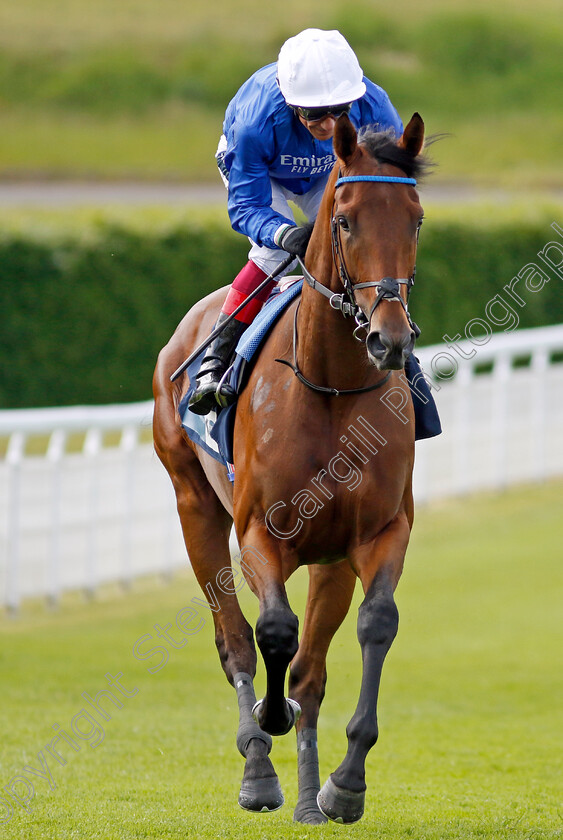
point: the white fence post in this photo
(92, 448)
(14, 457)
(539, 367)
(502, 376)
(462, 461)
(128, 444)
(55, 451)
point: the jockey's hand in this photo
(294, 239)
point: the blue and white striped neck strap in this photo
(386, 179)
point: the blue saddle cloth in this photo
(213, 432)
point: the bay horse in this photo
(292, 423)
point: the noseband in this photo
(388, 288)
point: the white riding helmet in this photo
(318, 68)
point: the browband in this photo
(388, 179)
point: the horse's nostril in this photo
(375, 346)
(388, 350)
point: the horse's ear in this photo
(413, 135)
(345, 139)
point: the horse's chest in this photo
(310, 486)
(312, 474)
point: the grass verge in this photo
(471, 723)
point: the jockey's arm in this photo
(250, 192)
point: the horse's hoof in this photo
(339, 805)
(308, 814)
(294, 706)
(293, 710)
(261, 795)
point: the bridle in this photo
(388, 288)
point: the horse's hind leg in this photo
(328, 601)
(206, 527)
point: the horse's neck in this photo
(327, 352)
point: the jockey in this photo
(277, 147)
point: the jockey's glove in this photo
(294, 239)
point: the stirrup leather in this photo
(224, 393)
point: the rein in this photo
(388, 288)
(321, 389)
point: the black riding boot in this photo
(213, 367)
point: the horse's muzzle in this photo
(389, 352)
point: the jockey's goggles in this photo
(315, 114)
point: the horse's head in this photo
(375, 222)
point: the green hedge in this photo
(82, 322)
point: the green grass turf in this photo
(138, 89)
(471, 711)
(76, 24)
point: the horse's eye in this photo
(343, 223)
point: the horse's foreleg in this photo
(276, 629)
(277, 637)
(328, 601)
(379, 567)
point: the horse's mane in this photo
(382, 145)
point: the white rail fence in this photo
(80, 518)
(95, 505)
(502, 414)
